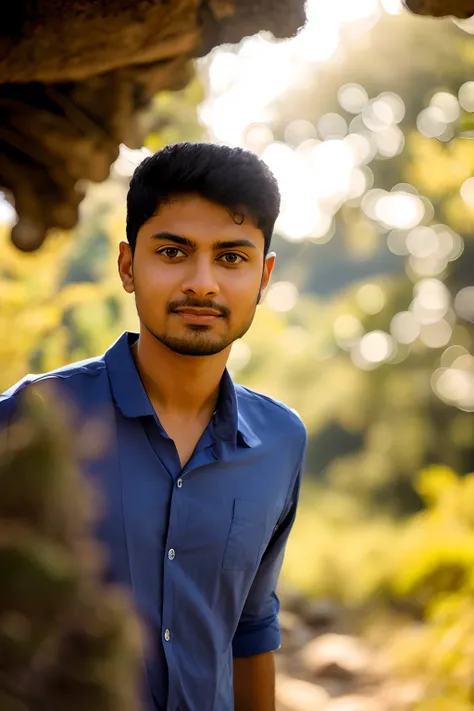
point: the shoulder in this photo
(272, 415)
(72, 378)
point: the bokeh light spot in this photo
(282, 296)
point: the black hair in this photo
(232, 177)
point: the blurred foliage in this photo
(336, 552)
(420, 569)
(434, 568)
(173, 117)
(60, 305)
(66, 640)
(372, 429)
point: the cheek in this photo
(154, 280)
(243, 294)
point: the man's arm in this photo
(254, 683)
(258, 632)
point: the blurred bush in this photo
(434, 568)
(417, 572)
(337, 550)
(67, 642)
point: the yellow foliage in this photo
(435, 568)
(335, 550)
(439, 168)
(46, 323)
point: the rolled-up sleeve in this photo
(258, 630)
(6, 409)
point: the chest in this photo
(220, 513)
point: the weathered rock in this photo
(441, 8)
(335, 655)
(297, 695)
(73, 77)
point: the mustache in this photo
(196, 304)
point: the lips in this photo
(199, 316)
(199, 312)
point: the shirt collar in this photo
(131, 398)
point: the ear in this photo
(267, 272)
(125, 267)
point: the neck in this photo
(177, 384)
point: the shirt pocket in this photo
(246, 535)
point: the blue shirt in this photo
(201, 546)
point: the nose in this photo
(200, 279)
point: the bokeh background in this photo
(366, 118)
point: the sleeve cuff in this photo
(247, 643)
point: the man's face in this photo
(191, 255)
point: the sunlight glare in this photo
(316, 42)
(358, 184)
(298, 131)
(303, 219)
(397, 242)
(392, 7)
(352, 98)
(464, 303)
(332, 165)
(455, 385)
(390, 142)
(431, 122)
(223, 71)
(451, 354)
(376, 346)
(422, 242)
(350, 11)
(465, 25)
(129, 159)
(396, 104)
(432, 295)
(467, 192)
(282, 296)
(448, 104)
(362, 148)
(257, 137)
(8, 214)
(466, 96)
(332, 126)
(402, 210)
(371, 298)
(404, 327)
(436, 335)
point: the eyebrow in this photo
(186, 242)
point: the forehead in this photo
(202, 220)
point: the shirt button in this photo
(179, 483)
(167, 635)
(171, 554)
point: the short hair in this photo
(232, 177)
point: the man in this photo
(201, 476)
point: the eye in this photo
(173, 250)
(235, 258)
